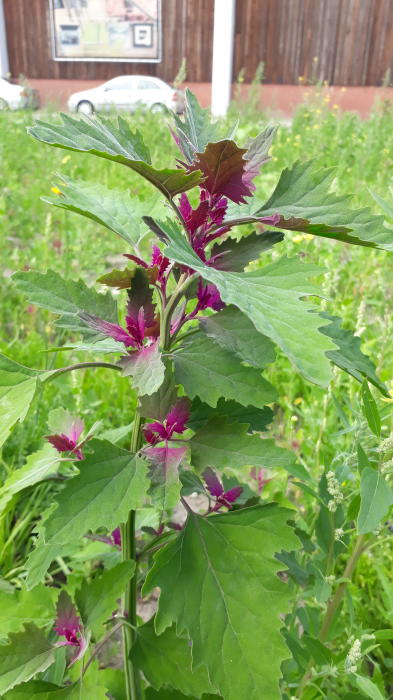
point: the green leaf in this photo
(369, 688)
(218, 581)
(386, 207)
(165, 660)
(164, 475)
(26, 654)
(146, 369)
(38, 466)
(16, 394)
(116, 210)
(363, 460)
(210, 372)
(41, 690)
(118, 143)
(370, 410)
(258, 152)
(233, 331)
(303, 200)
(376, 498)
(257, 418)
(21, 607)
(196, 129)
(271, 298)
(225, 445)
(158, 405)
(237, 254)
(97, 599)
(111, 482)
(349, 356)
(66, 297)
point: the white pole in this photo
(4, 64)
(223, 39)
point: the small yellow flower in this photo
(298, 400)
(294, 419)
(297, 137)
(316, 126)
(336, 107)
(343, 89)
(66, 159)
(55, 190)
(315, 59)
(300, 79)
(318, 111)
(326, 99)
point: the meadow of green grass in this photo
(320, 425)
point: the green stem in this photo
(333, 606)
(165, 326)
(79, 365)
(128, 544)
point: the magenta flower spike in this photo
(216, 489)
(175, 422)
(68, 625)
(67, 440)
(158, 262)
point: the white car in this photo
(127, 92)
(16, 96)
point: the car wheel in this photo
(85, 107)
(158, 108)
(3, 105)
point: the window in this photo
(120, 83)
(148, 85)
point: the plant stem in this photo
(338, 596)
(333, 605)
(79, 365)
(132, 679)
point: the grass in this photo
(320, 426)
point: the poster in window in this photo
(106, 30)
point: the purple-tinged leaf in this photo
(120, 279)
(140, 297)
(111, 330)
(233, 494)
(178, 416)
(164, 474)
(208, 297)
(146, 368)
(257, 154)
(67, 623)
(158, 404)
(213, 483)
(223, 165)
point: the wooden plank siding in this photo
(345, 42)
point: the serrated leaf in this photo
(376, 497)
(257, 418)
(271, 298)
(217, 608)
(370, 410)
(224, 445)
(146, 369)
(118, 143)
(26, 654)
(158, 405)
(111, 208)
(210, 372)
(237, 254)
(165, 660)
(222, 165)
(111, 482)
(38, 466)
(196, 129)
(97, 599)
(21, 607)
(66, 298)
(258, 153)
(303, 200)
(233, 331)
(349, 355)
(15, 400)
(386, 207)
(164, 475)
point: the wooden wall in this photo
(346, 42)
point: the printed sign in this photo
(106, 30)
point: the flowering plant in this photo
(199, 330)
